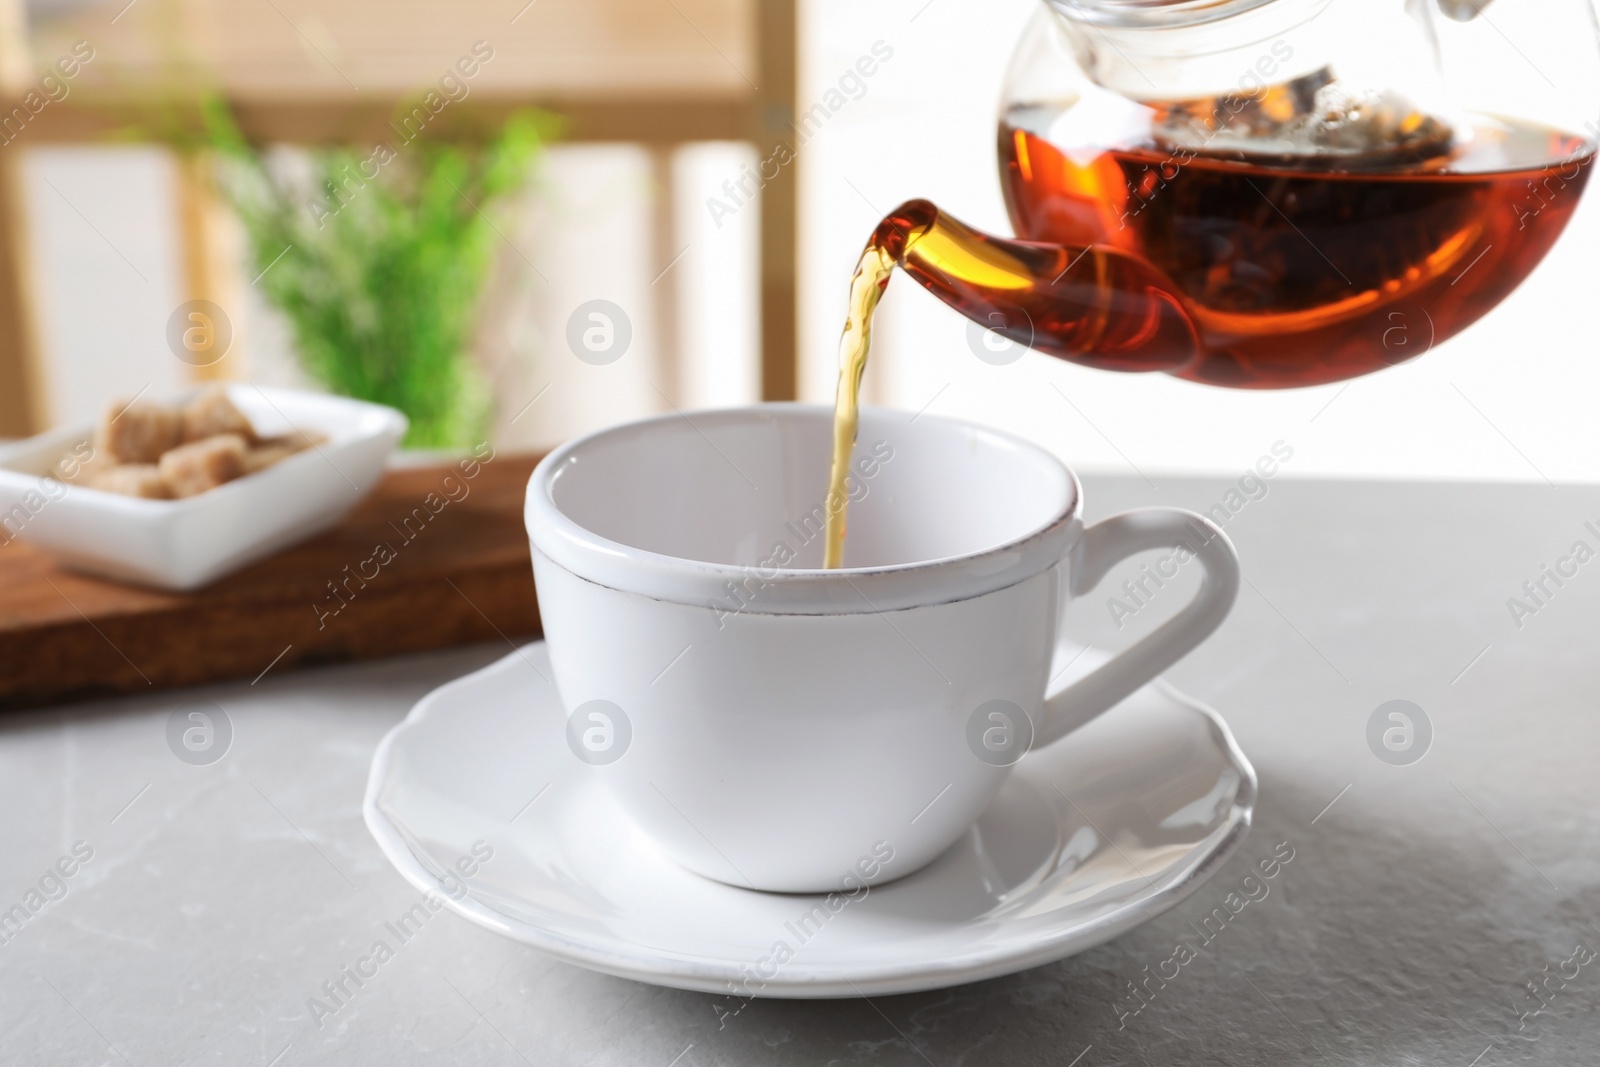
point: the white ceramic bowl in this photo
(184, 544)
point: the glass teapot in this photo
(1269, 193)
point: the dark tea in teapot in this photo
(1295, 276)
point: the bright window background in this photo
(1513, 398)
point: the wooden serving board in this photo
(461, 576)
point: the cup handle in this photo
(1101, 547)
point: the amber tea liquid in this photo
(1298, 277)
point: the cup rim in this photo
(793, 591)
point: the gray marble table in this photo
(1422, 901)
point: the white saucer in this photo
(1087, 839)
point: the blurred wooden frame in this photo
(660, 73)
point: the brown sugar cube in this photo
(273, 449)
(137, 432)
(298, 440)
(97, 464)
(133, 479)
(201, 465)
(265, 455)
(212, 413)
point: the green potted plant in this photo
(378, 259)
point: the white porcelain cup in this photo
(775, 725)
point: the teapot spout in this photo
(1092, 304)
